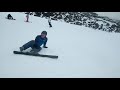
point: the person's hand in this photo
(45, 47)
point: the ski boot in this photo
(21, 49)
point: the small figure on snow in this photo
(27, 17)
(9, 16)
(37, 43)
(49, 21)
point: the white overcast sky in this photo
(113, 15)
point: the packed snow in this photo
(83, 52)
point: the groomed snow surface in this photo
(83, 52)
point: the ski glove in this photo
(45, 47)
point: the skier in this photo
(27, 16)
(36, 44)
(49, 21)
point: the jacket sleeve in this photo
(45, 42)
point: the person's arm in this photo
(44, 45)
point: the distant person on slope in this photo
(27, 17)
(37, 43)
(49, 21)
(9, 16)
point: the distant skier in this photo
(49, 22)
(27, 17)
(37, 43)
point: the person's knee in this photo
(32, 41)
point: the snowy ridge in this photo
(87, 19)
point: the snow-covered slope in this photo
(83, 52)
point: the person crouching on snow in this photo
(37, 43)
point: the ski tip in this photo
(32, 54)
(55, 57)
(14, 51)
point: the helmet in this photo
(44, 32)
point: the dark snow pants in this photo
(50, 25)
(31, 44)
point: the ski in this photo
(34, 54)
